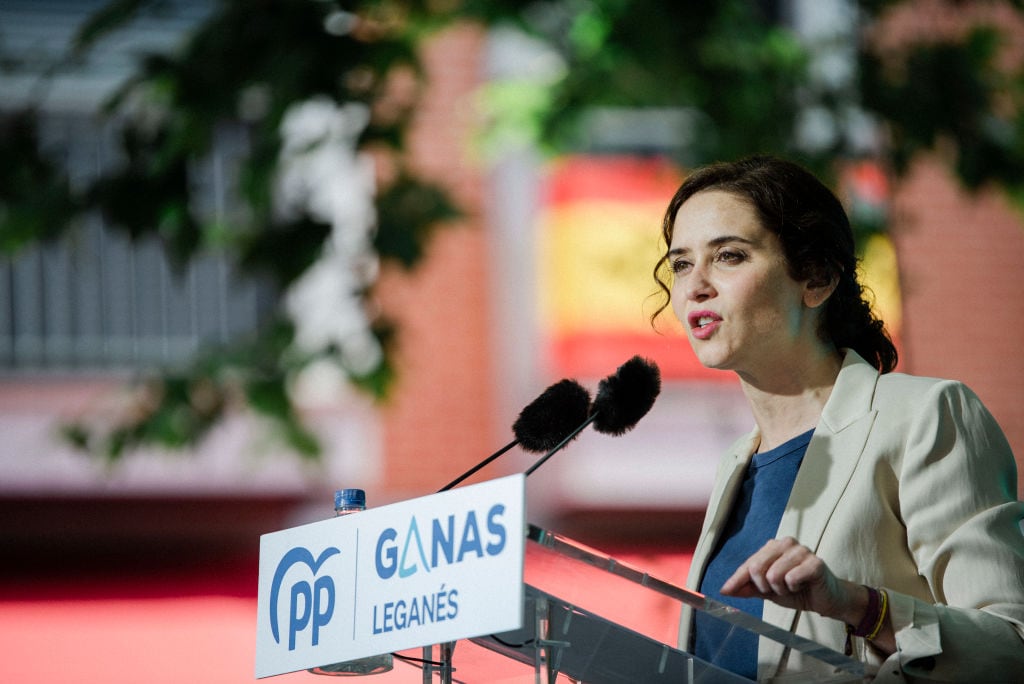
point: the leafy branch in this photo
(740, 79)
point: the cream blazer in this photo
(908, 484)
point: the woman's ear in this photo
(817, 290)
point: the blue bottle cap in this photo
(349, 498)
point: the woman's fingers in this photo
(782, 571)
(765, 571)
(789, 574)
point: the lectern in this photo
(584, 621)
(583, 616)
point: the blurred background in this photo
(253, 251)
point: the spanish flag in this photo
(599, 239)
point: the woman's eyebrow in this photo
(715, 242)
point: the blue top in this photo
(753, 521)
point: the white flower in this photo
(322, 175)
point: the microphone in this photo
(626, 396)
(543, 424)
(623, 398)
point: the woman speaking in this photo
(870, 511)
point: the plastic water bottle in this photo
(347, 502)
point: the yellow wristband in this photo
(882, 612)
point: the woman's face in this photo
(732, 290)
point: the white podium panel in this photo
(430, 570)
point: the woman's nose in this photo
(697, 286)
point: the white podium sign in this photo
(426, 571)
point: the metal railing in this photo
(96, 299)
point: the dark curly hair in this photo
(816, 238)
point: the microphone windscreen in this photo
(552, 416)
(626, 396)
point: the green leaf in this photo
(269, 396)
(36, 201)
(408, 212)
(283, 251)
(106, 20)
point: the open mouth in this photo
(702, 319)
(703, 323)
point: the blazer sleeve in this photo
(957, 497)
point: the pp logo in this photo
(307, 603)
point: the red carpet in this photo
(167, 627)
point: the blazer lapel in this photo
(730, 475)
(828, 465)
(727, 482)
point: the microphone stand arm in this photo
(478, 466)
(561, 444)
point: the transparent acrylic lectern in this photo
(586, 618)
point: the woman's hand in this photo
(789, 574)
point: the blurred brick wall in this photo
(961, 262)
(439, 422)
